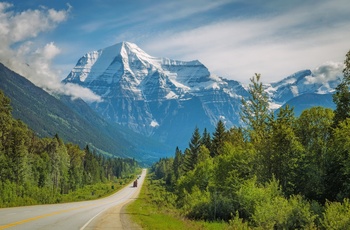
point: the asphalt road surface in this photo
(96, 214)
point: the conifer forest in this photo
(278, 171)
(37, 170)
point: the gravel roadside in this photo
(117, 217)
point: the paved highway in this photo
(77, 215)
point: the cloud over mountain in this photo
(19, 52)
(329, 71)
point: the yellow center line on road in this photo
(41, 216)
(51, 214)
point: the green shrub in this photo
(237, 223)
(252, 194)
(337, 215)
(196, 204)
(266, 207)
(281, 213)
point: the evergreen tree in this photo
(337, 182)
(34, 170)
(195, 142)
(256, 115)
(177, 163)
(18, 153)
(5, 106)
(285, 151)
(76, 156)
(255, 111)
(313, 128)
(218, 139)
(342, 95)
(5, 120)
(191, 154)
(206, 139)
(236, 137)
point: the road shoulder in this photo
(117, 217)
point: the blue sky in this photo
(233, 38)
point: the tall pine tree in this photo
(191, 154)
(342, 95)
(255, 111)
(206, 139)
(177, 163)
(218, 139)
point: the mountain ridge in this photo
(48, 115)
(150, 95)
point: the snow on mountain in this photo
(153, 95)
(167, 99)
(303, 82)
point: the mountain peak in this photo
(152, 95)
(125, 47)
(125, 60)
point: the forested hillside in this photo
(278, 172)
(73, 120)
(40, 170)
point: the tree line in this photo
(37, 170)
(278, 171)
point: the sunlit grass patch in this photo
(153, 210)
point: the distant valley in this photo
(73, 120)
(166, 99)
(149, 105)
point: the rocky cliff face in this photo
(157, 97)
(166, 99)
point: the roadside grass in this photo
(99, 190)
(96, 191)
(32, 195)
(151, 210)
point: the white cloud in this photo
(329, 71)
(274, 45)
(184, 9)
(49, 51)
(77, 91)
(154, 124)
(59, 16)
(27, 24)
(16, 30)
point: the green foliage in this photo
(255, 112)
(282, 157)
(251, 194)
(178, 161)
(191, 154)
(39, 171)
(155, 209)
(337, 215)
(199, 177)
(267, 208)
(218, 138)
(206, 139)
(196, 204)
(342, 95)
(338, 163)
(313, 128)
(278, 172)
(280, 213)
(238, 223)
(232, 167)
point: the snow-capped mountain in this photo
(302, 82)
(166, 98)
(158, 97)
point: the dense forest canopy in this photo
(38, 170)
(277, 172)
